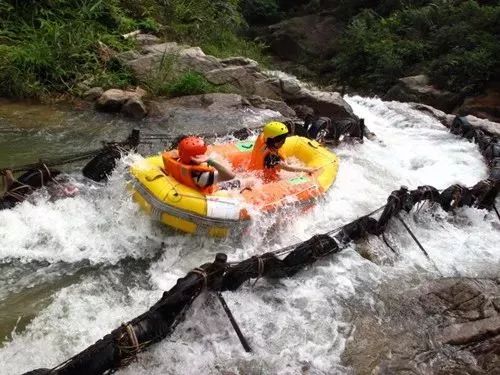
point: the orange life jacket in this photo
(184, 173)
(259, 153)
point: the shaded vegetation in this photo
(455, 42)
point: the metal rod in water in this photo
(243, 341)
(496, 210)
(418, 243)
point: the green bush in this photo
(168, 81)
(455, 42)
(260, 12)
(53, 45)
(190, 83)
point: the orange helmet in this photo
(189, 147)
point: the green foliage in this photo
(190, 83)
(260, 12)
(455, 42)
(214, 25)
(167, 81)
(53, 45)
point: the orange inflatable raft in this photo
(224, 212)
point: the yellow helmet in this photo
(274, 129)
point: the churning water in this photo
(74, 269)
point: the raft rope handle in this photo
(313, 146)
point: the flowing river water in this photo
(72, 270)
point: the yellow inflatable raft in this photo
(226, 212)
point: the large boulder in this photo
(113, 100)
(152, 59)
(483, 124)
(135, 108)
(444, 118)
(312, 36)
(146, 39)
(418, 89)
(324, 103)
(244, 80)
(275, 105)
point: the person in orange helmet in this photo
(193, 167)
(266, 155)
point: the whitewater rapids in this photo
(85, 265)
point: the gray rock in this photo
(268, 88)
(240, 61)
(464, 333)
(216, 113)
(441, 116)
(135, 108)
(112, 100)
(275, 105)
(484, 124)
(182, 58)
(447, 119)
(418, 89)
(486, 106)
(290, 87)
(93, 94)
(147, 39)
(442, 326)
(327, 104)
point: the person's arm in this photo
(225, 173)
(291, 168)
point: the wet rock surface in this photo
(419, 89)
(444, 326)
(216, 113)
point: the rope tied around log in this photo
(260, 270)
(128, 345)
(203, 274)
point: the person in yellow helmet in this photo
(266, 156)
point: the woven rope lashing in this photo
(456, 196)
(425, 192)
(357, 230)
(308, 252)
(398, 200)
(484, 193)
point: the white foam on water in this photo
(293, 325)
(102, 225)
